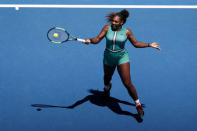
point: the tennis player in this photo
(115, 55)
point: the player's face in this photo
(116, 23)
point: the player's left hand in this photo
(155, 45)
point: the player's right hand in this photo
(87, 41)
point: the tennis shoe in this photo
(140, 110)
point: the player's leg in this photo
(108, 73)
(124, 72)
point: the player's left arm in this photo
(138, 44)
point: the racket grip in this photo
(81, 40)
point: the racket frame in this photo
(69, 35)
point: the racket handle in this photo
(81, 40)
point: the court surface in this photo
(50, 77)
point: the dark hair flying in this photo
(123, 14)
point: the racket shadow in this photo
(97, 98)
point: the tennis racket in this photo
(60, 35)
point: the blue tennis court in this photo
(34, 71)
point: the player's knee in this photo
(108, 77)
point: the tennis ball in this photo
(55, 35)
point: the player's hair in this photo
(123, 14)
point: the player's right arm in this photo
(97, 39)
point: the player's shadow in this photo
(97, 98)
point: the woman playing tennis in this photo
(115, 54)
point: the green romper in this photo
(115, 53)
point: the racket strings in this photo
(57, 35)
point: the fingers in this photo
(87, 41)
(155, 45)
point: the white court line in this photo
(17, 6)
